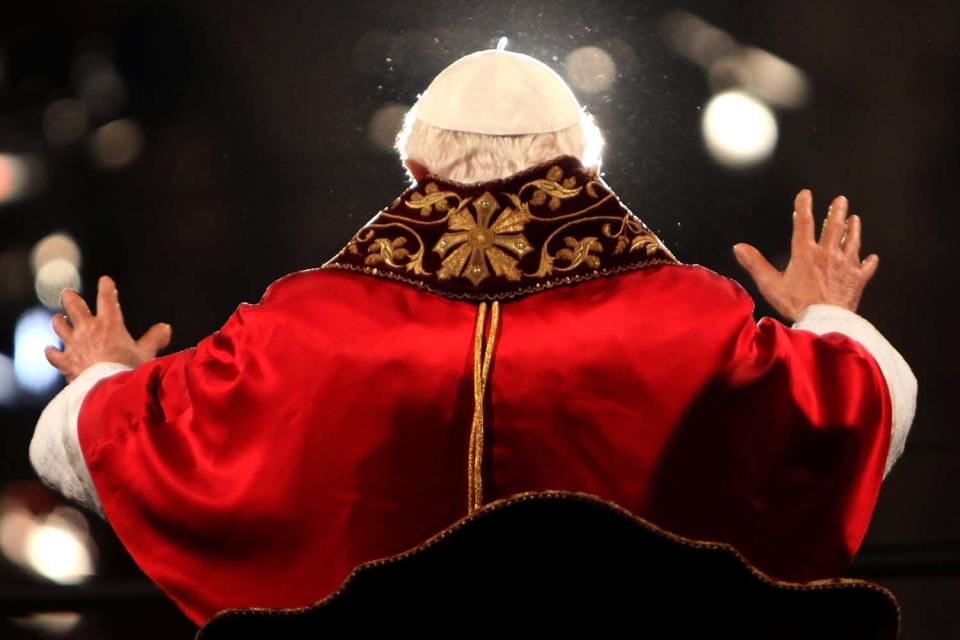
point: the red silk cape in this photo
(329, 425)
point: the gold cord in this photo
(481, 371)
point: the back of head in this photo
(491, 114)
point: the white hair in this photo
(467, 157)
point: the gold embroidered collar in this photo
(549, 225)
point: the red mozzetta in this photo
(332, 423)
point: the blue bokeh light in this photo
(34, 374)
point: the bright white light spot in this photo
(385, 125)
(55, 245)
(8, 382)
(116, 144)
(32, 333)
(56, 551)
(739, 130)
(14, 177)
(590, 69)
(502, 43)
(55, 276)
(57, 546)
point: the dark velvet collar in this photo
(551, 224)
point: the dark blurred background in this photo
(197, 151)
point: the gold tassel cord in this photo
(474, 479)
(481, 370)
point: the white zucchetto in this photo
(497, 92)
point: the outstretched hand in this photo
(88, 338)
(826, 272)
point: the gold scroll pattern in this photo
(487, 235)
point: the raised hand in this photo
(829, 271)
(88, 338)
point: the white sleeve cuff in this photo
(55, 448)
(828, 318)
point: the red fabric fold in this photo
(328, 425)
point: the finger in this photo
(61, 327)
(75, 306)
(803, 225)
(869, 266)
(55, 357)
(851, 241)
(834, 222)
(156, 338)
(108, 299)
(750, 258)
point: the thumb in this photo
(750, 258)
(156, 338)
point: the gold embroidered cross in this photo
(472, 243)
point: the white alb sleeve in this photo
(55, 448)
(902, 383)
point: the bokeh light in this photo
(33, 332)
(762, 74)
(739, 131)
(696, 39)
(56, 550)
(16, 525)
(116, 144)
(57, 245)
(590, 69)
(385, 124)
(733, 66)
(99, 85)
(52, 278)
(64, 121)
(56, 545)
(14, 177)
(50, 623)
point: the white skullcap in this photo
(499, 93)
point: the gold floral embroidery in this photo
(389, 251)
(385, 250)
(580, 251)
(551, 191)
(434, 199)
(642, 238)
(554, 221)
